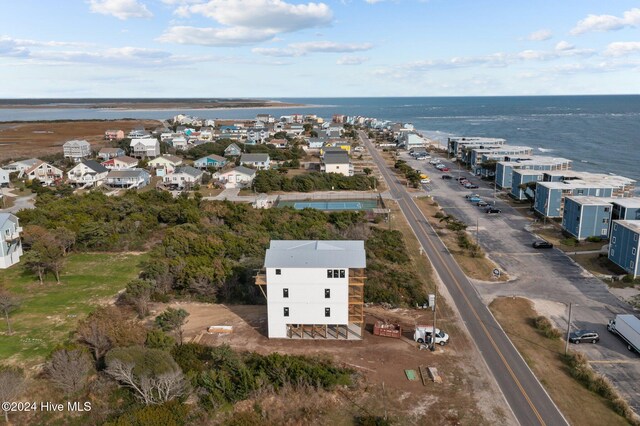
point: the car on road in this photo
(472, 195)
(542, 245)
(475, 199)
(492, 210)
(482, 204)
(425, 180)
(447, 177)
(434, 161)
(461, 178)
(440, 166)
(463, 182)
(472, 186)
(445, 169)
(582, 336)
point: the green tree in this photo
(173, 320)
(138, 293)
(158, 339)
(8, 304)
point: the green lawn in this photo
(49, 313)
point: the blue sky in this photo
(287, 48)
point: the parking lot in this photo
(541, 275)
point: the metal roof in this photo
(315, 254)
(251, 158)
(7, 217)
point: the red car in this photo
(446, 169)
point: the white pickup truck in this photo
(423, 334)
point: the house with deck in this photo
(109, 153)
(165, 164)
(10, 243)
(238, 177)
(257, 161)
(337, 162)
(232, 150)
(128, 179)
(121, 163)
(183, 177)
(76, 149)
(87, 173)
(585, 217)
(314, 289)
(20, 165)
(145, 147)
(45, 173)
(113, 135)
(505, 168)
(210, 161)
(4, 177)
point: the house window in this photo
(285, 292)
(604, 232)
(329, 273)
(606, 209)
(336, 273)
(278, 271)
(631, 264)
(615, 226)
(612, 253)
(327, 312)
(635, 237)
(341, 273)
(605, 220)
(286, 312)
(613, 240)
(633, 251)
(327, 293)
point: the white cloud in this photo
(352, 60)
(564, 46)
(301, 49)
(540, 35)
(234, 36)
(622, 48)
(121, 9)
(630, 18)
(275, 15)
(9, 47)
(374, 1)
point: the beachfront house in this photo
(76, 149)
(624, 245)
(458, 147)
(45, 173)
(87, 173)
(232, 150)
(210, 161)
(238, 177)
(179, 143)
(257, 161)
(145, 147)
(337, 162)
(183, 177)
(138, 132)
(505, 168)
(109, 153)
(314, 289)
(128, 179)
(121, 163)
(10, 243)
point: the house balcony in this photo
(261, 277)
(12, 236)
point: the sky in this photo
(289, 48)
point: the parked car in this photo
(471, 195)
(482, 204)
(542, 245)
(492, 210)
(463, 182)
(434, 161)
(472, 186)
(425, 180)
(447, 177)
(475, 199)
(581, 336)
(461, 178)
(444, 169)
(440, 166)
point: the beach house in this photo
(145, 147)
(4, 178)
(121, 163)
(585, 217)
(210, 161)
(624, 245)
(76, 149)
(505, 167)
(183, 177)
(45, 173)
(128, 179)
(108, 153)
(10, 243)
(232, 150)
(237, 177)
(257, 161)
(337, 162)
(20, 165)
(87, 173)
(459, 147)
(315, 289)
(165, 164)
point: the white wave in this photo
(545, 149)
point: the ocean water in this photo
(599, 133)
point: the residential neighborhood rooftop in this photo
(633, 225)
(315, 254)
(254, 157)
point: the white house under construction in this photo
(314, 289)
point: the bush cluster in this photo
(272, 180)
(543, 324)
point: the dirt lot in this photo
(21, 140)
(466, 396)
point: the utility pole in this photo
(566, 343)
(477, 231)
(435, 304)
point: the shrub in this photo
(438, 215)
(594, 239)
(548, 330)
(571, 242)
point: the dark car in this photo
(542, 245)
(482, 204)
(581, 336)
(472, 186)
(461, 178)
(491, 210)
(446, 177)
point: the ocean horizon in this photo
(600, 133)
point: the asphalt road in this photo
(526, 397)
(548, 275)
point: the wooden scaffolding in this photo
(356, 298)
